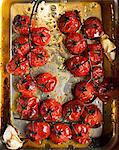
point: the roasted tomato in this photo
(21, 45)
(40, 36)
(98, 75)
(51, 110)
(72, 110)
(84, 91)
(78, 66)
(69, 22)
(93, 27)
(80, 133)
(18, 65)
(38, 131)
(38, 57)
(75, 43)
(46, 82)
(92, 116)
(21, 24)
(105, 90)
(95, 53)
(27, 87)
(60, 133)
(27, 107)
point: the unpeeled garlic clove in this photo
(11, 138)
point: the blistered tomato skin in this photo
(38, 57)
(18, 65)
(92, 116)
(80, 133)
(38, 131)
(93, 27)
(75, 43)
(21, 24)
(84, 91)
(69, 22)
(98, 75)
(27, 107)
(51, 110)
(21, 45)
(60, 133)
(46, 82)
(72, 110)
(27, 87)
(78, 66)
(41, 36)
(95, 53)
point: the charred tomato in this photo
(21, 24)
(51, 110)
(46, 82)
(75, 43)
(38, 131)
(40, 36)
(95, 53)
(38, 56)
(72, 110)
(105, 90)
(93, 27)
(98, 75)
(84, 91)
(27, 107)
(60, 133)
(21, 45)
(27, 87)
(69, 22)
(92, 116)
(78, 66)
(18, 65)
(80, 133)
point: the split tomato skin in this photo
(93, 27)
(75, 43)
(40, 36)
(80, 133)
(51, 110)
(84, 91)
(27, 107)
(79, 66)
(69, 22)
(95, 53)
(21, 24)
(46, 82)
(60, 133)
(38, 57)
(18, 65)
(72, 110)
(92, 116)
(27, 87)
(38, 131)
(21, 45)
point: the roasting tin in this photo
(108, 12)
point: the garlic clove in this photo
(11, 138)
(108, 47)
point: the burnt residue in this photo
(6, 106)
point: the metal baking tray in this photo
(109, 131)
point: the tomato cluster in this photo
(29, 51)
(72, 120)
(49, 118)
